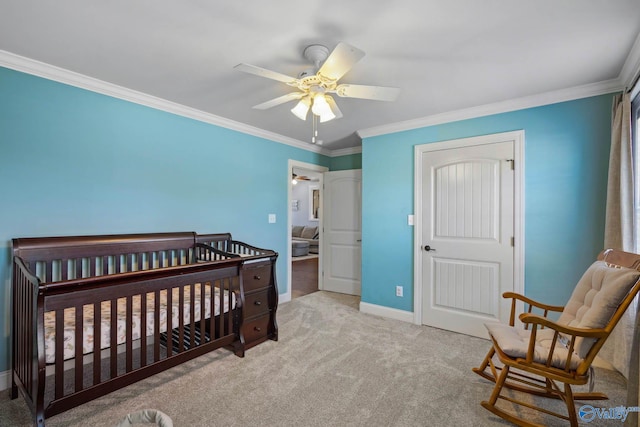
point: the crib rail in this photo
(243, 249)
(54, 259)
(204, 252)
(218, 241)
(222, 244)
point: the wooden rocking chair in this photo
(547, 357)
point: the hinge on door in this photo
(513, 163)
(513, 241)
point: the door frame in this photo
(518, 213)
(315, 168)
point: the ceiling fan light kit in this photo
(315, 85)
(301, 110)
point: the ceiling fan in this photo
(295, 178)
(315, 85)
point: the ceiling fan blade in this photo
(343, 57)
(263, 72)
(334, 107)
(279, 100)
(376, 93)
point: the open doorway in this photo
(305, 228)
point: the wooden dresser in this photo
(259, 299)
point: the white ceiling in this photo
(443, 55)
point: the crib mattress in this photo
(105, 329)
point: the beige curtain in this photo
(621, 349)
(618, 231)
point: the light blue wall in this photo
(73, 162)
(566, 159)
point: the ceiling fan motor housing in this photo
(316, 53)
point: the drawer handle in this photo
(256, 277)
(257, 302)
(257, 329)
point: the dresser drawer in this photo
(256, 277)
(256, 304)
(256, 329)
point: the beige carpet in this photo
(333, 366)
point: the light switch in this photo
(272, 218)
(410, 219)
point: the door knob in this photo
(428, 248)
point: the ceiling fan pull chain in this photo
(314, 128)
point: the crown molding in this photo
(346, 151)
(631, 69)
(61, 75)
(546, 98)
(26, 65)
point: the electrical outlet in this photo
(398, 291)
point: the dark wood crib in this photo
(93, 314)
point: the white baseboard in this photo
(282, 298)
(391, 313)
(5, 380)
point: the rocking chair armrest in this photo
(529, 318)
(532, 303)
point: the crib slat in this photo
(203, 308)
(143, 329)
(224, 286)
(192, 314)
(129, 333)
(97, 342)
(113, 339)
(27, 367)
(17, 331)
(212, 307)
(59, 354)
(169, 322)
(27, 372)
(156, 326)
(20, 332)
(64, 269)
(78, 348)
(48, 266)
(105, 265)
(181, 319)
(92, 266)
(222, 323)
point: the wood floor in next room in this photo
(304, 275)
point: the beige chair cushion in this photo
(592, 304)
(596, 298)
(514, 342)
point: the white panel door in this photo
(467, 252)
(342, 216)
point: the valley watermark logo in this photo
(589, 413)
